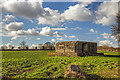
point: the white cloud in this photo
(38, 39)
(8, 18)
(113, 38)
(1, 9)
(76, 28)
(106, 35)
(46, 31)
(0, 31)
(58, 34)
(105, 42)
(106, 13)
(13, 38)
(11, 41)
(109, 40)
(20, 32)
(109, 36)
(66, 36)
(92, 30)
(17, 31)
(79, 12)
(108, 43)
(25, 9)
(72, 36)
(59, 38)
(14, 26)
(77, 39)
(85, 0)
(3, 25)
(33, 10)
(97, 37)
(31, 21)
(53, 18)
(28, 38)
(58, 29)
(66, 27)
(53, 40)
(31, 32)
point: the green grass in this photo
(36, 64)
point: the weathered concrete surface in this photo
(75, 48)
(73, 71)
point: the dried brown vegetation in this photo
(107, 48)
(51, 54)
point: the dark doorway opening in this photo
(84, 48)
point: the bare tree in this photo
(116, 28)
(23, 43)
(48, 43)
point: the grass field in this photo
(36, 64)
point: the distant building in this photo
(75, 48)
(25, 47)
(48, 46)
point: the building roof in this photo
(73, 42)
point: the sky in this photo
(40, 22)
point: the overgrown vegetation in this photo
(36, 64)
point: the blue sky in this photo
(82, 22)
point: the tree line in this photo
(23, 46)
